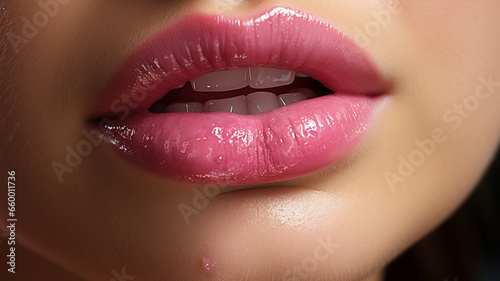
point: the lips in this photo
(214, 99)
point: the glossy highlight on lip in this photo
(226, 148)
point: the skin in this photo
(106, 215)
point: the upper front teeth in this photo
(261, 77)
(219, 81)
(255, 77)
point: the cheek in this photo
(35, 126)
(453, 77)
(11, 69)
(38, 99)
(440, 129)
(451, 34)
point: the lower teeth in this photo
(254, 103)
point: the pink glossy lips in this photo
(228, 148)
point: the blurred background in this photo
(466, 247)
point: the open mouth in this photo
(208, 101)
(241, 91)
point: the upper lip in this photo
(156, 68)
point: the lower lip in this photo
(226, 148)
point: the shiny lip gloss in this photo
(225, 148)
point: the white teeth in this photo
(229, 80)
(261, 77)
(236, 105)
(289, 98)
(259, 102)
(254, 103)
(255, 77)
(221, 81)
(194, 107)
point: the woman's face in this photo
(413, 156)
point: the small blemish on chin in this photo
(207, 265)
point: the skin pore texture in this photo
(429, 145)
